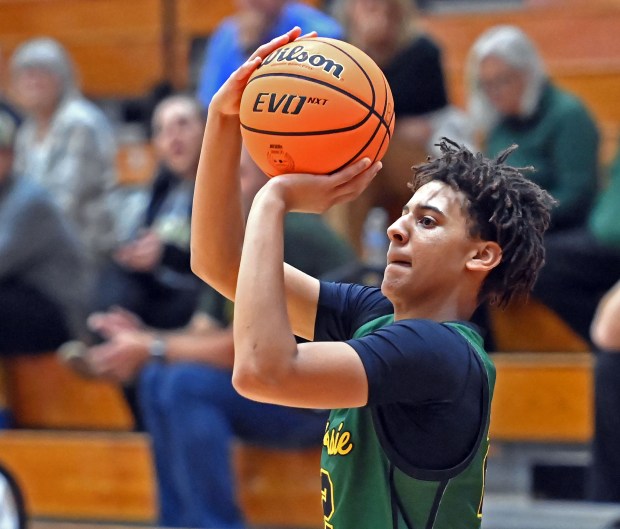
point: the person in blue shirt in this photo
(254, 22)
(403, 372)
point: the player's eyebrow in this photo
(432, 208)
(418, 207)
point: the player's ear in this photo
(484, 257)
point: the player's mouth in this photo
(398, 261)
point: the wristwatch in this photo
(157, 349)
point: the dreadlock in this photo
(504, 206)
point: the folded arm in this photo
(269, 365)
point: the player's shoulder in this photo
(455, 336)
(368, 304)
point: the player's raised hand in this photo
(309, 193)
(227, 99)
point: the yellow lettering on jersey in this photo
(336, 441)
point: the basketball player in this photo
(404, 373)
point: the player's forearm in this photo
(217, 218)
(264, 343)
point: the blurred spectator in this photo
(42, 274)
(66, 144)
(255, 22)
(411, 60)
(512, 100)
(388, 31)
(582, 264)
(150, 272)
(189, 405)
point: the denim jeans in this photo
(193, 415)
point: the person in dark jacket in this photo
(150, 274)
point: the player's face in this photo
(429, 246)
(177, 137)
(502, 84)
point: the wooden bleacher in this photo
(97, 470)
(105, 476)
(116, 44)
(121, 48)
(76, 458)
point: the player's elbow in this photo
(246, 383)
(258, 379)
(251, 384)
(221, 282)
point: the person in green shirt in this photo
(403, 372)
(512, 100)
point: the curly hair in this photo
(503, 205)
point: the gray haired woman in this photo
(66, 143)
(512, 99)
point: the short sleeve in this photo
(414, 361)
(344, 307)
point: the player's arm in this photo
(217, 218)
(269, 365)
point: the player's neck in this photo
(452, 309)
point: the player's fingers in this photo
(244, 71)
(354, 186)
(352, 171)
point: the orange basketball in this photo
(315, 106)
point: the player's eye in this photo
(427, 221)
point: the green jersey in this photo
(363, 488)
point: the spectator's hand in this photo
(120, 359)
(308, 193)
(143, 254)
(115, 321)
(228, 98)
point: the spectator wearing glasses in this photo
(513, 100)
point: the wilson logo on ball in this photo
(300, 55)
